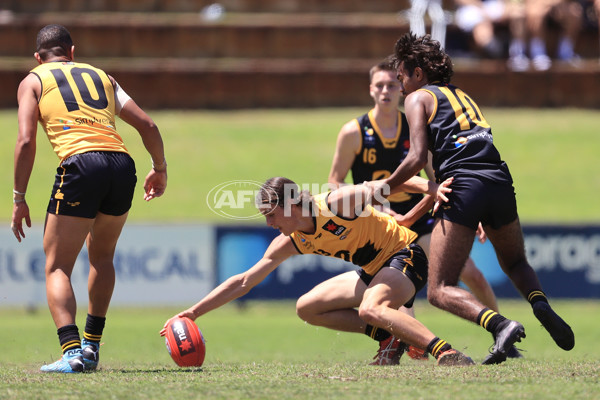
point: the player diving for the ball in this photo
(344, 224)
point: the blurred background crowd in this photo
(202, 54)
(515, 29)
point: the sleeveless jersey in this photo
(368, 240)
(77, 108)
(460, 138)
(379, 156)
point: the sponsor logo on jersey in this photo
(306, 244)
(65, 124)
(369, 141)
(334, 228)
(346, 235)
(460, 141)
(369, 138)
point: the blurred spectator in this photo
(568, 15)
(436, 14)
(479, 16)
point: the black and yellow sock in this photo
(94, 326)
(437, 346)
(536, 295)
(490, 320)
(68, 336)
(377, 333)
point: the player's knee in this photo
(370, 313)
(473, 280)
(304, 309)
(434, 295)
(518, 265)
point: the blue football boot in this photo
(70, 362)
(91, 354)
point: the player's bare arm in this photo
(429, 167)
(413, 215)
(136, 117)
(378, 190)
(25, 149)
(347, 147)
(416, 184)
(416, 108)
(280, 249)
(155, 183)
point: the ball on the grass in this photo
(185, 343)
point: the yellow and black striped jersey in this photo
(367, 240)
(77, 108)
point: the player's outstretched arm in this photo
(238, 285)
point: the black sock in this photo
(490, 320)
(437, 346)
(68, 336)
(536, 295)
(377, 333)
(94, 326)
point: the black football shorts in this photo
(412, 262)
(475, 200)
(92, 182)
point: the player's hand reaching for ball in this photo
(187, 313)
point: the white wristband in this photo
(159, 167)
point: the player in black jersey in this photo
(371, 147)
(445, 120)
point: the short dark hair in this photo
(425, 53)
(53, 40)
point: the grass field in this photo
(263, 351)
(552, 154)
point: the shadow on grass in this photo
(154, 371)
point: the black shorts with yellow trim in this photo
(412, 262)
(92, 182)
(475, 199)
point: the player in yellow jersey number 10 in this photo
(76, 105)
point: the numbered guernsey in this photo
(379, 156)
(472, 149)
(83, 103)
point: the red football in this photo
(185, 343)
